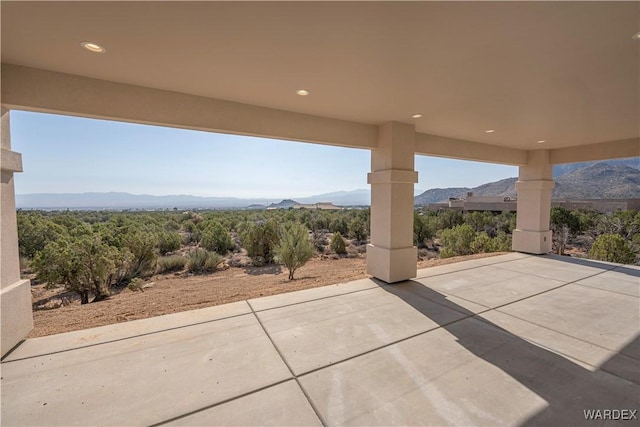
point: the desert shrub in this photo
(564, 224)
(260, 240)
(506, 222)
(136, 285)
(35, 231)
(624, 223)
(202, 261)
(142, 246)
(216, 238)
(189, 239)
(339, 225)
(83, 264)
(448, 219)
(457, 241)
(123, 259)
(358, 229)
(501, 243)
(422, 230)
(168, 242)
(480, 220)
(320, 241)
(587, 219)
(612, 248)
(168, 264)
(338, 244)
(171, 225)
(294, 248)
(481, 243)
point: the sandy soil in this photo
(179, 292)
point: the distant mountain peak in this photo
(286, 203)
(559, 170)
(599, 180)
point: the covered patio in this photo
(531, 84)
(524, 338)
(509, 340)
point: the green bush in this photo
(612, 248)
(35, 232)
(501, 243)
(457, 241)
(339, 224)
(171, 263)
(358, 229)
(338, 244)
(294, 248)
(202, 261)
(481, 243)
(564, 224)
(260, 240)
(136, 285)
(216, 238)
(84, 265)
(142, 246)
(422, 230)
(480, 220)
(448, 219)
(168, 242)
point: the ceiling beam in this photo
(440, 146)
(601, 151)
(32, 89)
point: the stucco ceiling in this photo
(564, 72)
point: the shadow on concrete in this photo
(568, 388)
(627, 270)
(594, 264)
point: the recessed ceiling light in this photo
(93, 47)
(416, 116)
(302, 92)
(636, 36)
(489, 131)
(542, 141)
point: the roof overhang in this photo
(567, 73)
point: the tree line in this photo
(90, 252)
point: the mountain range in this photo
(120, 200)
(595, 180)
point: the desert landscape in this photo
(57, 311)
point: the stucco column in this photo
(391, 255)
(15, 294)
(534, 186)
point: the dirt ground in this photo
(179, 292)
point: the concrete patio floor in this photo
(507, 340)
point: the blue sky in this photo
(64, 154)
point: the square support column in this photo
(534, 186)
(391, 255)
(15, 294)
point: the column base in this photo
(16, 315)
(532, 242)
(392, 265)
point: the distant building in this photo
(600, 205)
(321, 205)
(506, 203)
